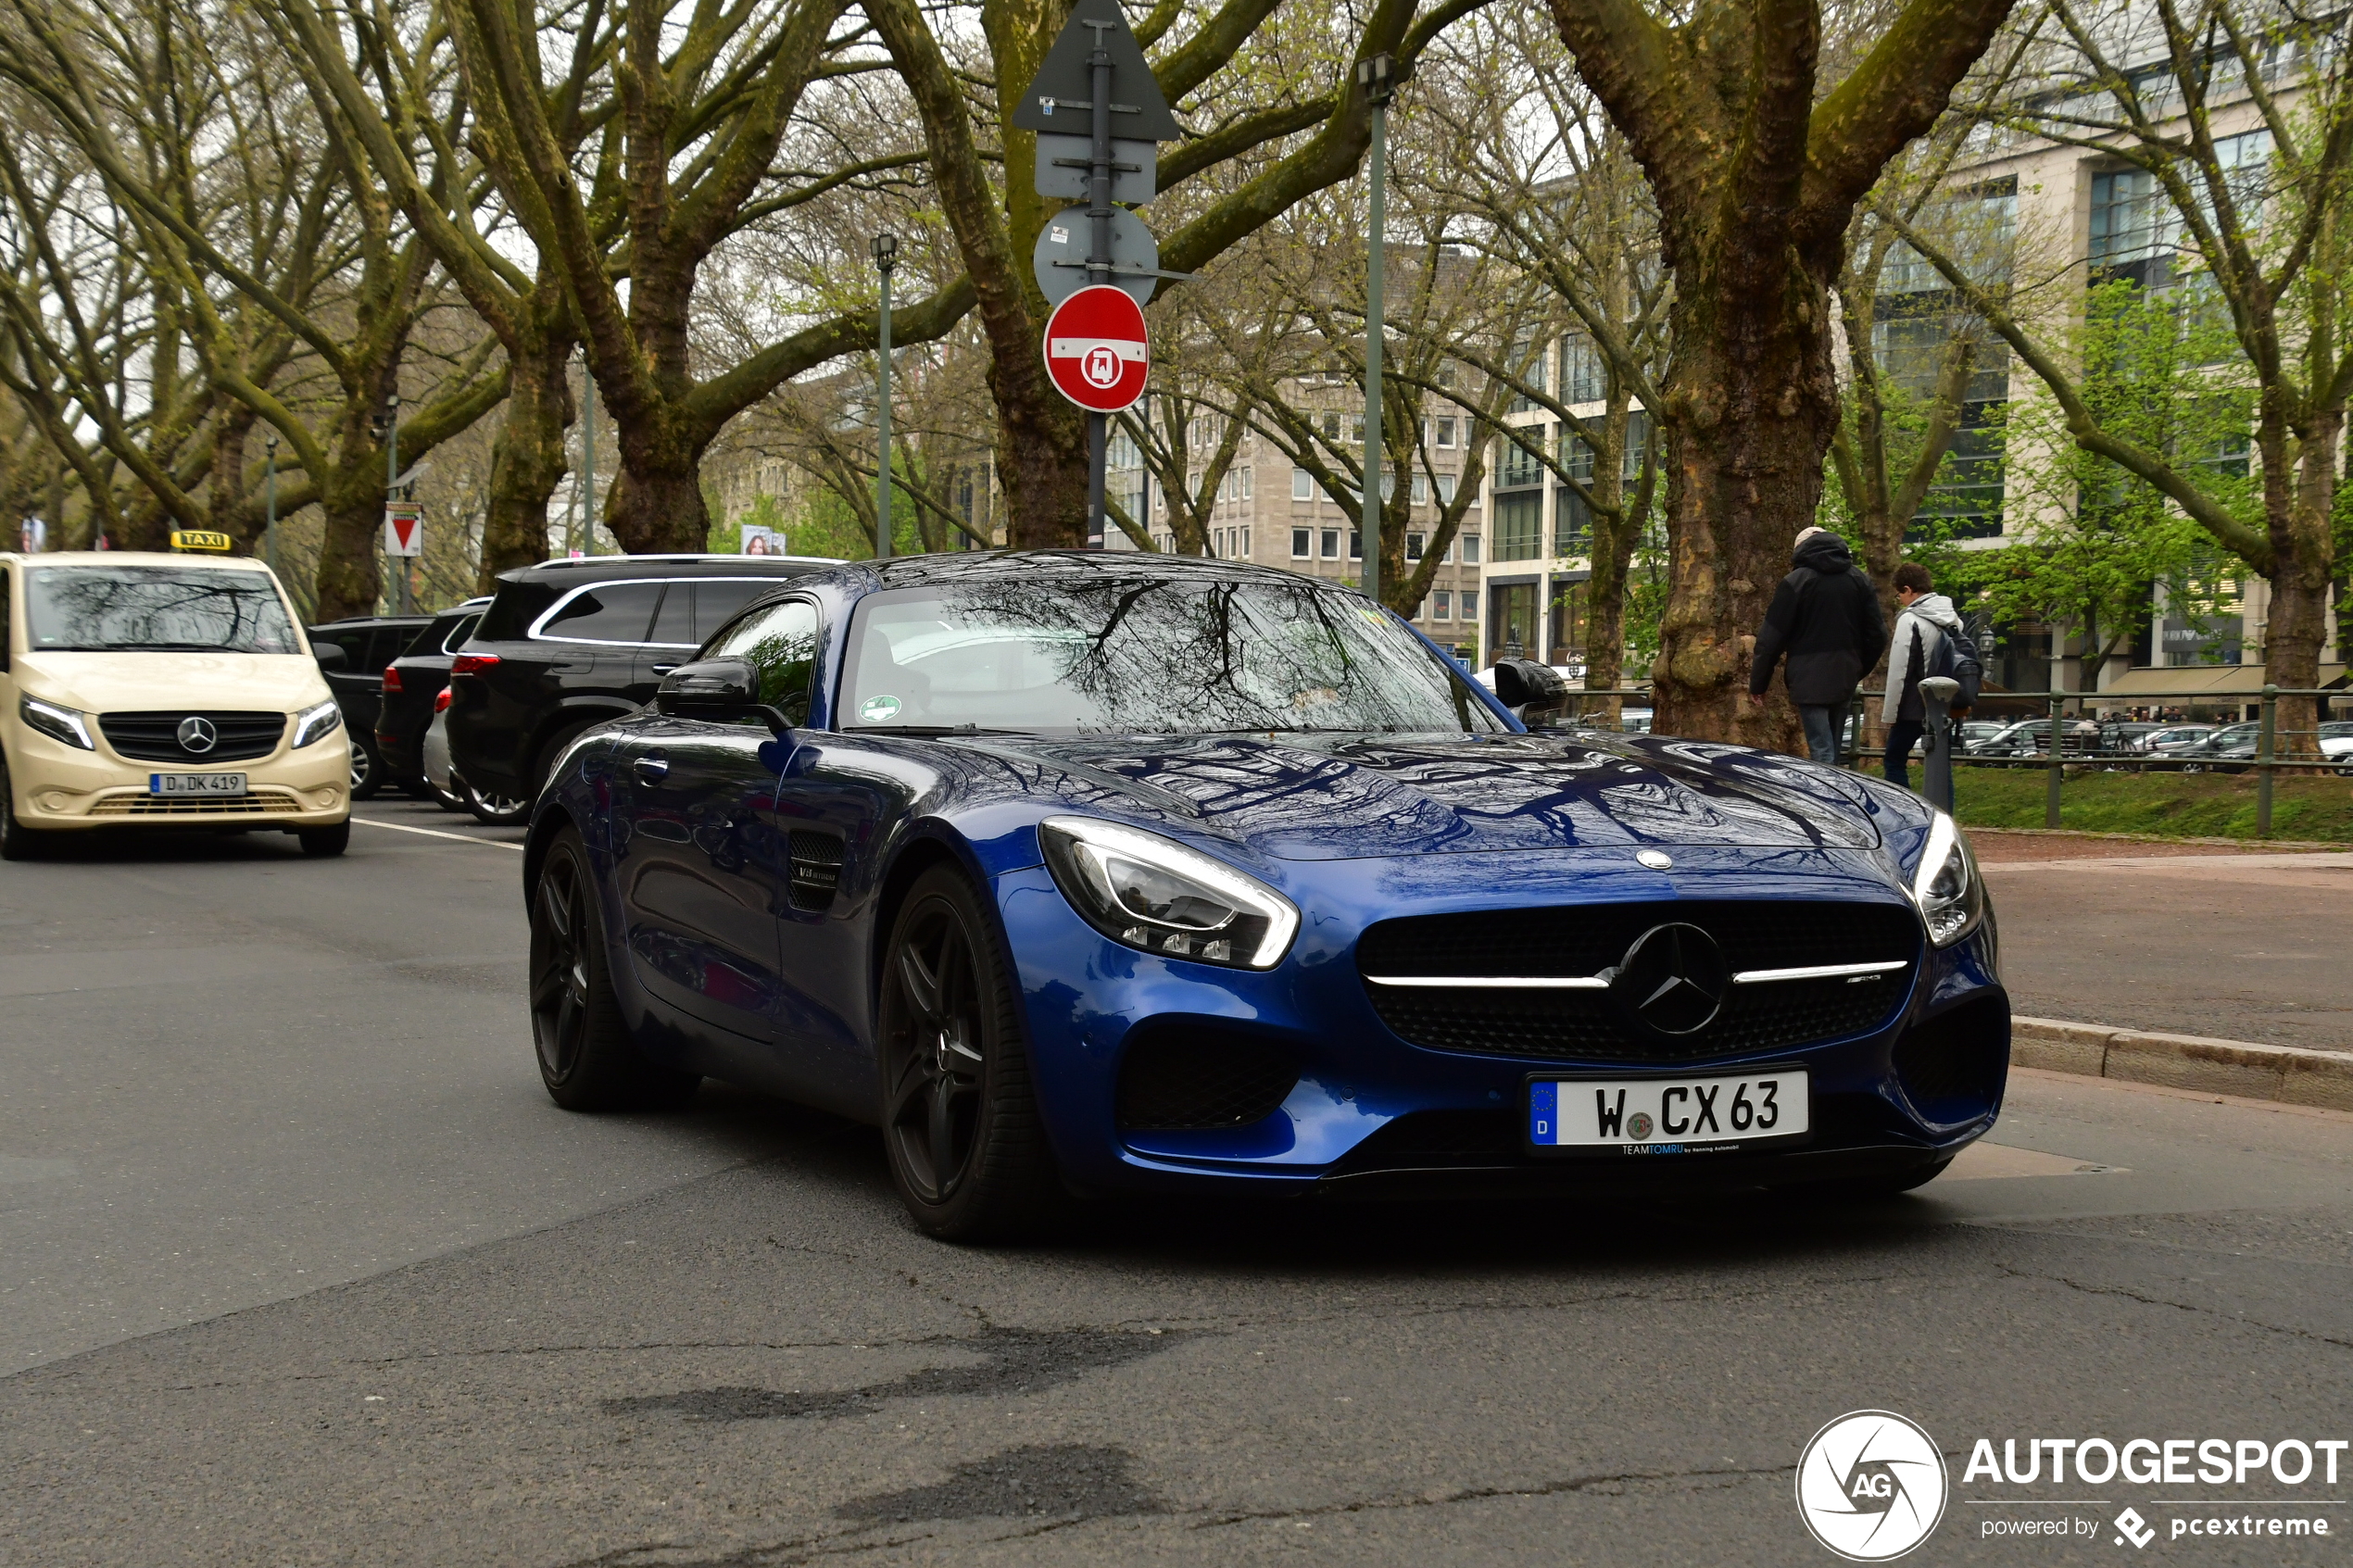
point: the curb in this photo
(2286, 845)
(2288, 1074)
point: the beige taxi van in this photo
(162, 691)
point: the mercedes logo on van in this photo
(198, 736)
(1672, 980)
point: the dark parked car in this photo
(369, 643)
(569, 643)
(411, 682)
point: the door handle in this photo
(651, 769)
(664, 669)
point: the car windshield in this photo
(1128, 651)
(97, 608)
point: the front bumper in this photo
(1372, 1114)
(62, 788)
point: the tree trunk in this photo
(1751, 407)
(353, 499)
(2298, 504)
(529, 461)
(1041, 459)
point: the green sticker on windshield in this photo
(878, 710)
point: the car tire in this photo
(367, 770)
(325, 843)
(962, 1132)
(586, 1058)
(17, 841)
(498, 810)
(450, 799)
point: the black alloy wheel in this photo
(367, 770)
(586, 1057)
(960, 1124)
(450, 799)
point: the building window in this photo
(1470, 604)
(1519, 520)
(1413, 547)
(1521, 465)
(1533, 378)
(1300, 544)
(1421, 489)
(1470, 552)
(1331, 427)
(1445, 489)
(1245, 489)
(1441, 606)
(1572, 524)
(1355, 544)
(1445, 441)
(1577, 456)
(1245, 552)
(1302, 485)
(1332, 544)
(1580, 370)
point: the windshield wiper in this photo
(931, 730)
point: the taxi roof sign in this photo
(200, 539)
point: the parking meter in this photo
(1937, 693)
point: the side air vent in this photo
(816, 869)
(1176, 1076)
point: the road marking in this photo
(436, 832)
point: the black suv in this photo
(569, 643)
(369, 643)
(411, 682)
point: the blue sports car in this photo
(1097, 874)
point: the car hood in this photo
(105, 683)
(1347, 796)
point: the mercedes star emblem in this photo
(1672, 980)
(198, 736)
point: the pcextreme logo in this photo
(1871, 1485)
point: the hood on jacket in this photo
(1936, 609)
(1824, 552)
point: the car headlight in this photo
(316, 723)
(58, 721)
(1945, 886)
(1155, 895)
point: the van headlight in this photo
(1154, 894)
(1945, 886)
(57, 720)
(316, 723)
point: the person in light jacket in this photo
(1825, 618)
(1927, 620)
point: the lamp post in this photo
(269, 493)
(1375, 79)
(885, 258)
(588, 464)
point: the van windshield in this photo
(133, 608)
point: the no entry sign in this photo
(1096, 349)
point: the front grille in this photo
(197, 805)
(154, 738)
(1579, 940)
(1175, 1076)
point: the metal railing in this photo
(2055, 751)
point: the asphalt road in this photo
(297, 1265)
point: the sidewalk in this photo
(2229, 942)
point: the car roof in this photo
(971, 566)
(371, 621)
(605, 569)
(137, 558)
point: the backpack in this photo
(1956, 656)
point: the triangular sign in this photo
(404, 529)
(1062, 94)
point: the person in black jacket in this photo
(1825, 619)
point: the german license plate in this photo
(195, 784)
(1666, 1115)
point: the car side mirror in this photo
(1523, 683)
(330, 656)
(716, 689)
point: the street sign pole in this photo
(1098, 262)
(270, 490)
(886, 257)
(392, 484)
(1373, 75)
(588, 464)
